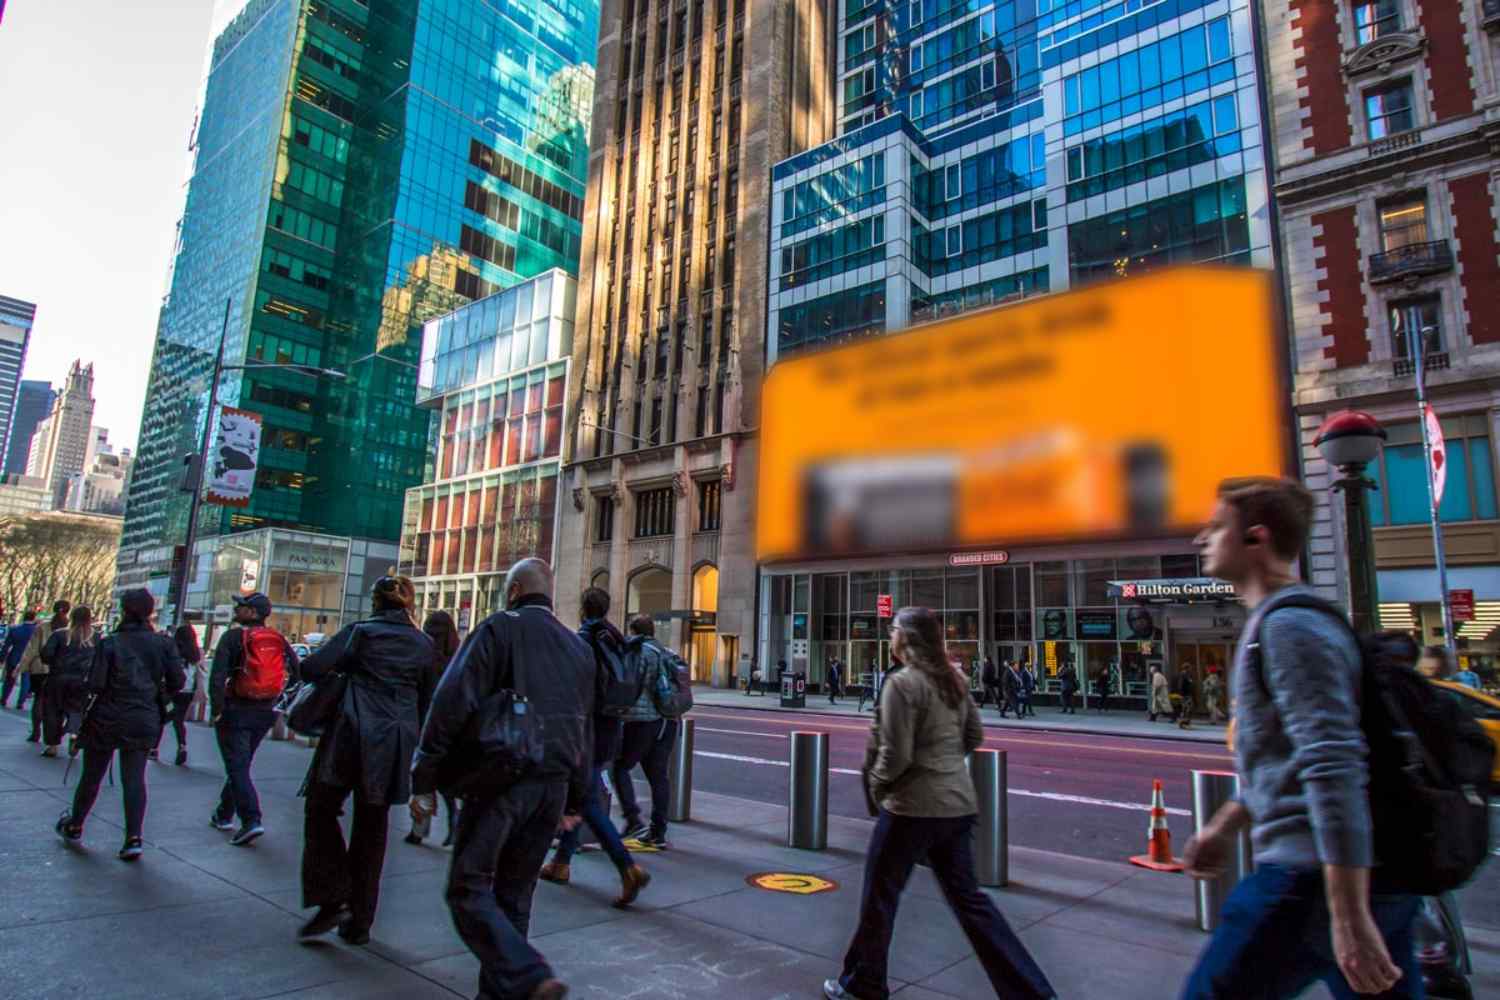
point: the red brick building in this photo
(1385, 131)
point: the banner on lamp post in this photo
(1439, 455)
(231, 468)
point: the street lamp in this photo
(1350, 440)
(196, 475)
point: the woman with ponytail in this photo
(918, 776)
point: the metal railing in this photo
(1404, 367)
(1401, 140)
(1411, 260)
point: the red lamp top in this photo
(1350, 437)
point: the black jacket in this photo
(369, 746)
(67, 662)
(606, 641)
(132, 671)
(228, 658)
(525, 649)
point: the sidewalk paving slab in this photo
(225, 918)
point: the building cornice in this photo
(1408, 152)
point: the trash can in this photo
(793, 690)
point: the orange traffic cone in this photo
(1158, 856)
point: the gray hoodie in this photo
(1301, 753)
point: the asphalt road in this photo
(1073, 793)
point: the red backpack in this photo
(262, 675)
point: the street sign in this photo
(1461, 603)
(883, 606)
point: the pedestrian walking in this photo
(1307, 913)
(130, 671)
(648, 740)
(869, 688)
(503, 836)
(1028, 687)
(192, 660)
(16, 639)
(1468, 678)
(1161, 695)
(1435, 664)
(1068, 687)
(1010, 683)
(33, 668)
(441, 629)
(1213, 696)
(1103, 687)
(927, 807)
(252, 666)
(990, 678)
(608, 647)
(1185, 693)
(69, 654)
(835, 680)
(365, 751)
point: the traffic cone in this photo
(1158, 856)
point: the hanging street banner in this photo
(1439, 455)
(231, 469)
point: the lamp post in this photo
(1350, 440)
(1426, 419)
(195, 476)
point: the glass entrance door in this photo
(1197, 660)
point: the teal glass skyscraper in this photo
(360, 166)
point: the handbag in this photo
(503, 742)
(310, 706)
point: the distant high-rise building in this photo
(60, 446)
(16, 318)
(359, 168)
(100, 487)
(33, 403)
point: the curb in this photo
(1216, 741)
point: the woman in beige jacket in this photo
(918, 775)
(33, 664)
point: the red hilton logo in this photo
(1128, 590)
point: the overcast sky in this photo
(96, 105)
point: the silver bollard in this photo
(807, 805)
(680, 768)
(1211, 790)
(988, 770)
(279, 730)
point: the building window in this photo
(1409, 318)
(916, 58)
(916, 105)
(708, 506)
(1389, 109)
(916, 12)
(1469, 489)
(653, 513)
(1373, 18)
(1403, 222)
(604, 518)
(953, 181)
(955, 240)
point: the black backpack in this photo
(620, 681)
(673, 693)
(1430, 766)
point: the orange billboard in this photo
(1107, 412)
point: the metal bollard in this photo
(680, 768)
(807, 805)
(279, 730)
(988, 770)
(1211, 789)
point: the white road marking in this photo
(741, 732)
(1027, 793)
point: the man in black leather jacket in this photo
(501, 842)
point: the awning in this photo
(1420, 586)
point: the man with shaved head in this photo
(502, 838)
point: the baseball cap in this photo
(258, 602)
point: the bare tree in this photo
(57, 556)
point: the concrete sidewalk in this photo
(1116, 722)
(198, 918)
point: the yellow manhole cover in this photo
(798, 883)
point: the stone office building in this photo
(695, 100)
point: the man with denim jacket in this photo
(1307, 913)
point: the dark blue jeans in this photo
(239, 732)
(595, 815)
(648, 744)
(895, 847)
(1273, 941)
